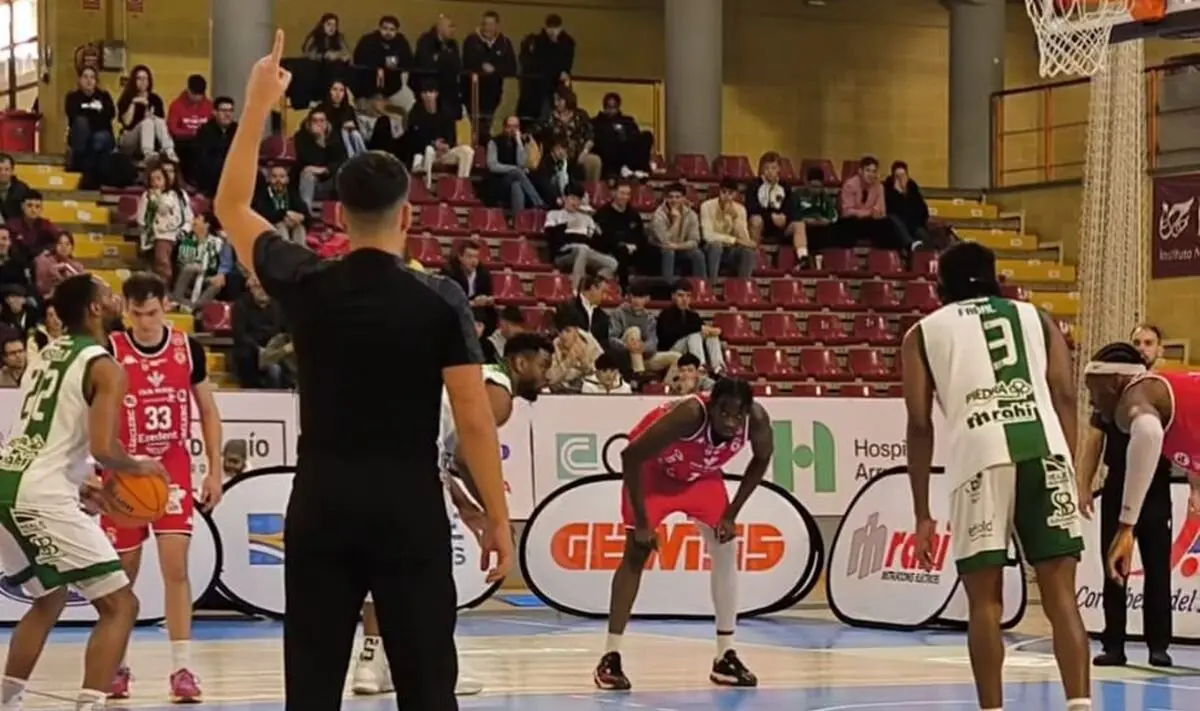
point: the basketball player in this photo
(1001, 373)
(523, 372)
(69, 409)
(674, 463)
(375, 345)
(166, 372)
(1159, 412)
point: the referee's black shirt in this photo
(372, 337)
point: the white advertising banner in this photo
(263, 425)
(575, 539)
(825, 448)
(517, 459)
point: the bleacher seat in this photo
(832, 294)
(418, 194)
(1012, 291)
(856, 390)
(486, 256)
(508, 289)
(703, 295)
(921, 296)
(879, 296)
(825, 328)
(895, 390)
(840, 262)
(849, 168)
(530, 222)
(199, 204)
(907, 321)
(426, 250)
(522, 254)
(692, 194)
(331, 214)
(737, 329)
(766, 390)
(787, 171)
(692, 166)
(735, 167)
(790, 294)
(654, 388)
(611, 297)
(821, 364)
(885, 263)
(456, 191)
(643, 199)
(868, 364)
(780, 328)
(826, 167)
(487, 221)
(127, 208)
(216, 317)
(440, 219)
(924, 264)
(809, 390)
(537, 318)
(552, 288)
(872, 329)
(597, 194)
(772, 363)
(733, 362)
(277, 148)
(743, 293)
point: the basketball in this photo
(136, 500)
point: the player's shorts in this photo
(703, 500)
(181, 506)
(1035, 500)
(44, 548)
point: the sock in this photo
(802, 252)
(11, 691)
(722, 582)
(90, 700)
(1079, 704)
(612, 643)
(370, 644)
(724, 643)
(181, 654)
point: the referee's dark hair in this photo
(967, 270)
(373, 190)
(1119, 352)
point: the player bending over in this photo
(1161, 413)
(69, 410)
(674, 463)
(1001, 373)
(166, 372)
(526, 359)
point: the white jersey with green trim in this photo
(447, 436)
(45, 459)
(988, 359)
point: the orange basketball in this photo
(136, 500)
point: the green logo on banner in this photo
(576, 454)
(819, 455)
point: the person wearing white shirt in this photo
(570, 232)
(726, 234)
(606, 380)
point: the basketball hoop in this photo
(1073, 35)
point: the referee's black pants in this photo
(348, 533)
(1153, 534)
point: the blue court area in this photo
(540, 661)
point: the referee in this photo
(1153, 530)
(375, 343)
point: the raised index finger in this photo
(277, 50)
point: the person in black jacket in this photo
(551, 55)
(278, 201)
(906, 206)
(682, 330)
(12, 189)
(256, 320)
(211, 145)
(343, 120)
(555, 173)
(430, 139)
(14, 263)
(586, 311)
(623, 147)
(489, 55)
(623, 234)
(465, 270)
(90, 113)
(439, 59)
(386, 55)
(319, 154)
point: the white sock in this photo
(612, 643)
(90, 700)
(722, 580)
(724, 643)
(802, 252)
(1079, 704)
(12, 690)
(181, 654)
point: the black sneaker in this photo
(610, 676)
(1110, 659)
(729, 671)
(1160, 658)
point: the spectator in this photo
(507, 162)
(906, 206)
(767, 203)
(186, 114)
(211, 146)
(510, 323)
(15, 311)
(163, 214)
(489, 56)
(440, 62)
(279, 203)
(633, 331)
(388, 54)
(90, 114)
(623, 232)
(680, 326)
(815, 212)
(13, 366)
(864, 207)
(33, 233)
(547, 59)
(55, 265)
(465, 270)
(203, 263)
(343, 120)
(483, 314)
(675, 229)
(607, 379)
(256, 321)
(555, 173)
(318, 157)
(378, 126)
(624, 149)
(327, 47)
(432, 138)
(12, 189)
(724, 227)
(571, 234)
(585, 309)
(575, 354)
(14, 262)
(689, 378)
(142, 115)
(174, 179)
(49, 329)
(570, 125)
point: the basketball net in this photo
(1073, 35)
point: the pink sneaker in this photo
(185, 688)
(120, 684)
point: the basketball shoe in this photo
(371, 672)
(185, 687)
(120, 684)
(728, 670)
(609, 675)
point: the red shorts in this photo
(180, 506)
(703, 500)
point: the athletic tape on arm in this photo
(1141, 461)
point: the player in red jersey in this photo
(674, 463)
(1161, 413)
(166, 371)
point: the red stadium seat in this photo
(653, 388)
(508, 289)
(856, 390)
(692, 195)
(216, 317)
(790, 294)
(826, 167)
(277, 149)
(426, 250)
(780, 327)
(612, 294)
(849, 169)
(1012, 291)
(692, 166)
(487, 221)
(737, 329)
(821, 364)
(530, 222)
(743, 293)
(643, 199)
(787, 171)
(552, 288)
(785, 259)
(825, 328)
(733, 362)
(418, 194)
(736, 167)
(924, 264)
(702, 293)
(809, 390)
(766, 390)
(456, 191)
(835, 295)
(879, 296)
(127, 208)
(884, 263)
(522, 254)
(873, 329)
(772, 363)
(921, 296)
(537, 318)
(907, 322)
(331, 214)
(896, 390)
(439, 219)
(597, 194)
(199, 204)
(868, 364)
(840, 261)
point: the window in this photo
(19, 52)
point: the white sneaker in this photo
(467, 686)
(371, 672)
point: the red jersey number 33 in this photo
(158, 405)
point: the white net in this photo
(1073, 34)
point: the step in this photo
(959, 208)
(215, 361)
(1035, 270)
(113, 277)
(97, 245)
(47, 177)
(75, 212)
(1061, 304)
(1000, 240)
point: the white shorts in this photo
(1034, 501)
(45, 548)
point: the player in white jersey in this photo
(523, 372)
(1000, 371)
(48, 544)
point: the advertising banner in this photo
(258, 430)
(574, 541)
(1175, 232)
(825, 449)
(517, 459)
